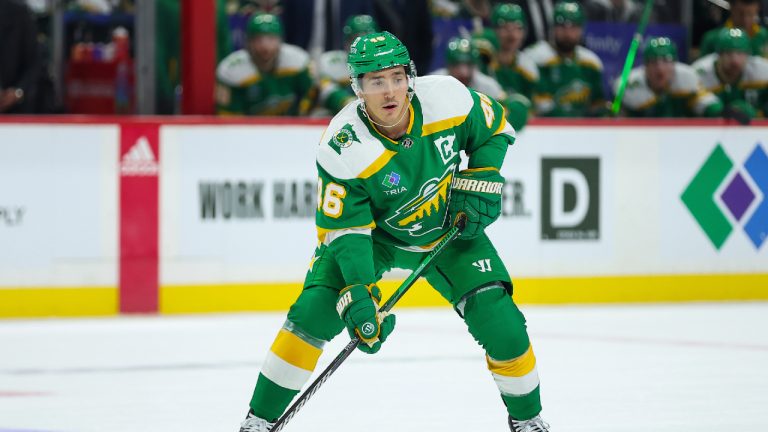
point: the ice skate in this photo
(535, 424)
(255, 424)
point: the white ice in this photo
(658, 368)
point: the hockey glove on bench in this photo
(358, 306)
(477, 194)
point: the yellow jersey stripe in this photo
(517, 367)
(442, 125)
(295, 351)
(377, 164)
(322, 232)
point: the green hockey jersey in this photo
(568, 87)
(521, 76)
(752, 88)
(333, 83)
(243, 89)
(685, 96)
(397, 190)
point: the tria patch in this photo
(391, 179)
(343, 138)
(407, 143)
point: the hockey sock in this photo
(499, 327)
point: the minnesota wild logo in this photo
(426, 212)
(343, 138)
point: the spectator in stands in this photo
(269, 77)
(744, 15)
(461, 59)
(19, 58)
(332, 72)
(570, 75)
(515, 71)
(739, 79)
(664, 87)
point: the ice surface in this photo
(660, 368)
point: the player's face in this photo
(264, 47)
(385, 93)
(659, 74)
(733, 62)
(511, 36)
(744, 15)
(462, 72)
(567, 37)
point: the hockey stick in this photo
(394, 298)
(636, 39)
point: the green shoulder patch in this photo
(343, 138)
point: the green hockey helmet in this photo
(569, 12)
(460, 51)
(375, 52)
(507, 13)
(264, 23)
(358, 25)
(660, 48)
(733, 39)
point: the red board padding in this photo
(139, 175)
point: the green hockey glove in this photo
(358, 306)
(476, 193)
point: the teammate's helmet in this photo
(660, 48)
(264, 23)
(733, 39)
(358, 25)
(569, 12)
(460, 51)
(507, 13)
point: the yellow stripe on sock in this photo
(295, 350)
(516, 367)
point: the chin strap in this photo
(405, 110)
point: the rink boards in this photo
(204, 215)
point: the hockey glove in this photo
(358, 306)
(477, 194)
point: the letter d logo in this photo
(570, 199)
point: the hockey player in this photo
(332, 73)
(389, 189)
(570, 76)
(515, 71)
(744, 15)
(739, 79)
(268, 78)
(664, 87)
(462, 58)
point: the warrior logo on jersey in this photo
(426, 212)
(343, 138)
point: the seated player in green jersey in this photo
(390, 188)
(570, 75)
(744, 15)
(462, 59)
(332, 74)
(664, 87)
(514, 70)
(269, 77)
(739, 79)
